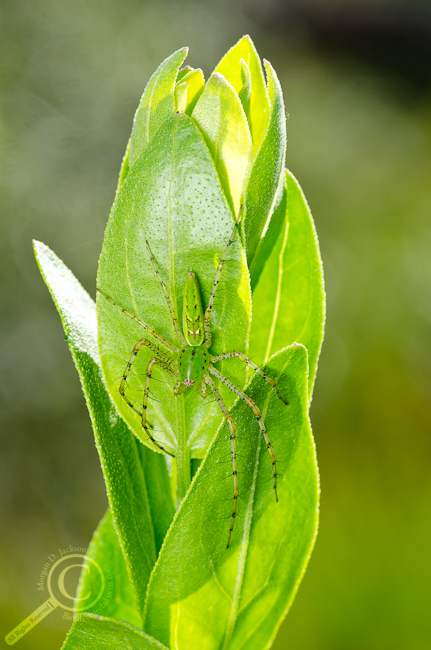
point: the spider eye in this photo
(188, 382)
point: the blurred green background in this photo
(357, 83)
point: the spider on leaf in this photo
(192, 363)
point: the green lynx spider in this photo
(192, 363)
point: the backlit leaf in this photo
(188, 90)
(172, 197)
(265, 184)
(221, 118)
(106, 557)
(289, 300)
(117, 447)
(157, 104)
(232, 69)
(90, 632)
(204, 596)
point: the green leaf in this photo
(183, 72)
(202, 595)
(124, 169)
(267, 243)
(245, 92)
(159, 492)
(221, 118)
(118, 598)
(117, 447)
(267, 175)
(289, 300)
(91, 632)
(188, 90)
(233, 70)
(105, 556)
(172, 197)
(157, 105)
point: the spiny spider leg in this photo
(258, 415)
(150, 366)
(156, 335)
(230, 355)
(203, 390)
(164, 363)
(168, 300)
(207, 316)
(132, 358)
(232, 436)
(179, 388)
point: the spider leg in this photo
(179, 388)
(207, 315)
(156, 335)
(232, 436)
(168, 300)
(202, 389)
(164, 357)
(164, 362)
(258, 415)
(239, 355)
(147, 430)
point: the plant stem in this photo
(183, 468)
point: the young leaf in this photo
(267, 175)
(172, 198)
(116, 445)
(233, 70)
(290, 292)
(182, 72)
(204, 595)
(157, 105)
(188, 90)
(245, 92)
(90, 632)
(117, 600)
(221, 118)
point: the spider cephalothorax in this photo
(192, 363)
